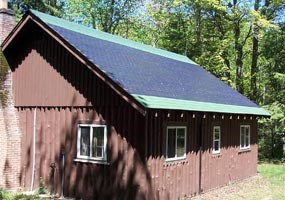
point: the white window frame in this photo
(245, 147)
(90, 158)
(185, 142)
(214, 140)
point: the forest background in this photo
(242, 42)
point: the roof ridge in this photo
(79, 28)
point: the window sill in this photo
(81, 160)
(216, 155)
(175, 161)
(244, 150)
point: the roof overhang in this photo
(153, 102)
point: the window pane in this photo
(85, 141)
(247, 139)
(180, 142)
(98, 142)
(217, 135)
(171, 140)
(216, 145)
(242, 138)
(216, 139)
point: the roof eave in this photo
(15, 31)
(153, 102)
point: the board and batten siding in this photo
(64, 92)
(188, 177)
(125, 177)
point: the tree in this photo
(272, 132)
(104, 15)
(254, 67)
(263, 16)
(53, 7)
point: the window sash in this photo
(178, 142)
(216, 139)
(244, 137)
(92, 131)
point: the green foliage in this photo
(5, 195)
(42, 187)
(52, 7)
(102, 14)
(273, 50)
(272, 132)
(3, 72)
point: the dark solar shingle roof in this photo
(144, 70)
(144, 73)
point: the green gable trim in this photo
(108, 37)
(178, 104)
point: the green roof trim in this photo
(108, 37)
(154, 102)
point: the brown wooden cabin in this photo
(130, 121)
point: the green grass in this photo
(6, 195)
(275, 176)
(268, 185)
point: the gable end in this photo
(30, 17)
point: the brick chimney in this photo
(7, 20)
(10, 134)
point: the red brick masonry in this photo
(10, 136)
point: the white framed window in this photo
(92, 142)
(175, 142)
(216, 139)
(244, 136)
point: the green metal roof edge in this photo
(154, 102)
(108, 37)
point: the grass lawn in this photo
(268, 185)
(275, 176)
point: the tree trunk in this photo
(198, 30)
(228, 64)
(272, 143)
(239, 57)
(254, 67)
(107, 22)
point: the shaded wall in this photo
(125, 177)
(46, 78)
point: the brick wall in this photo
(10, 135)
